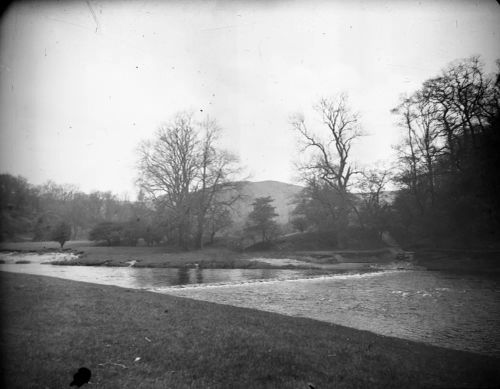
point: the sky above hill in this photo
(83, 82)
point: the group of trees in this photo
(19, 206)
(448, 160)
(50, 211)
(446, 171)
(126, 233)
(448, 185)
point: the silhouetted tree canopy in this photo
(448, 159)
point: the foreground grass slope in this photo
(51, 327)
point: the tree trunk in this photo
(199, 239)
(342, 230)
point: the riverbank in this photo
(51, 327)
(86, 254)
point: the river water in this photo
(459, 312)
(450, 310)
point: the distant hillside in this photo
(282, 193)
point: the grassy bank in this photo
(144, 256)
(216, 257)
(51, 327)
(219, 257)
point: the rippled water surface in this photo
(449, 310)
(460, 312)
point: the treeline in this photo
(53, 212)
(447, 170)
(447, 179)
(186, 188)
(32, 212)
(62, 212)
(449, 159)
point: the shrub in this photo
(61, 233)
(107, 231)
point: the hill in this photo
(282, 193)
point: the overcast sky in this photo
(81, 83)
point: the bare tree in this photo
(331, 157)
(169, 166)
(183, 170)
(217, 167)
(470, 89)
(426, 137)
(407, 150)
(374, 207)
(466, 102)
(422, 145)
(218, 219)
(330, 160)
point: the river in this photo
(450, 310)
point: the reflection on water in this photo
(449, 310)
(152, 279)
(183, 276)
(199, 276)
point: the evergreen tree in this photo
(260, 220)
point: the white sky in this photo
(81, 85)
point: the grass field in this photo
(51, 327)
